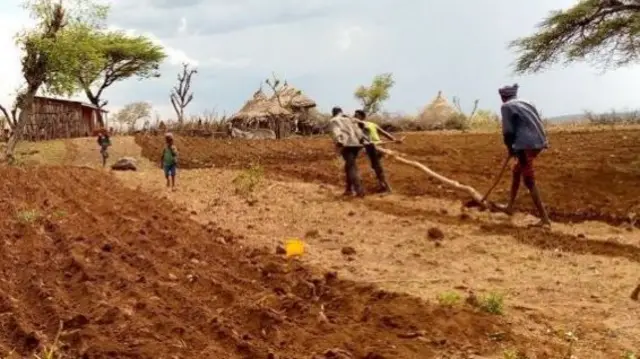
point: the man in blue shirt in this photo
(525, 138)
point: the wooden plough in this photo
(477, 199)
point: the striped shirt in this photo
(522, 126)
(346, 132)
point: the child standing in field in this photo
(169, 161)
(104, 141)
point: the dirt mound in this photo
(583, 176)
(132, 277)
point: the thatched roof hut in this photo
(294, 99)
(282, 109)
(259, 108)
(440, 109)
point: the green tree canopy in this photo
(604, 32)
(106, 57)
(48, 54)
(373, 96)
(49, 49)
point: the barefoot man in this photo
(525, 138)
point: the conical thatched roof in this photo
(259, 106)
(439, 108)
(294, 98)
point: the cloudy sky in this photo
(329, 47)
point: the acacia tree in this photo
(603, 32)
(48, 54)
(181, 94)
(373, 96)
(112, 56)
(131, 113)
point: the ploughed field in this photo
(584, 175)
(116, 273)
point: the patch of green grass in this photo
(449, 298)
(58, 214)
(48, 353)
(629, 355)
(511, 354)
(28, 216)
(247, 181)
(492, 303)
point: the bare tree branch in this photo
(7, 116)
(274, 84)
(181, 95)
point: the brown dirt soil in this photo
(575, 278)
(585, 175)
(132, 276)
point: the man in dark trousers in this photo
(372, 131)
(525, 138)
(349, 139)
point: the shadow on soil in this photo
(530, 236)
(546, 240)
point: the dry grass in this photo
(43, 152)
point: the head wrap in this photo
(509, 91)
(168, 135)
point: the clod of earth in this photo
(636, 293)
(330, 276)
(314, 233)
(348, 251)
(435, 234)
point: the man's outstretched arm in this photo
(386, 134)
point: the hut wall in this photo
(51, 119)
(89, 119)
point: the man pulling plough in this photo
(524, 136)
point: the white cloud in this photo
(175, 56)
(329, 47)
(228, 64)
(348, 36)
(182, 29)
(10, 68)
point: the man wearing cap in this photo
(525, 138)
(349, 139)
